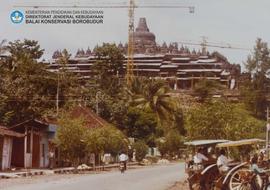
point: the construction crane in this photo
(204, 44)
(131, 13)
(130, 54)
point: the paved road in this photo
(149, 178)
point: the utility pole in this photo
(57, 94)
(130, 61)
(267, 133)
(97, 101)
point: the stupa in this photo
(144, 40)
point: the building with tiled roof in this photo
(91, 119)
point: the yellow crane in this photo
(131, 13)
(130, 54)
(204, 44)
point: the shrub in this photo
(141, 150)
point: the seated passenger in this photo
(222, 162)
(261, 157)
(254, 166)
(257, 171)
(199, 157)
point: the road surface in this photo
(147, 178)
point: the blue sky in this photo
(237, 22)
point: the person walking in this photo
(51, 159)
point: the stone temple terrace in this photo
(180, 66)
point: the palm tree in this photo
(2, 46)
(206, 88)
(3, 50)
(155, 96)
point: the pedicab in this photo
(202, 176)
(240, 176)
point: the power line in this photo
(105, 6)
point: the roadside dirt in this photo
(181, 185)
(51, 177)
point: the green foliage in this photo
(170, 144)
(76, 140)
(68, 83)
(26, 87)
(141, 125)
(106, 139)
(21, 51)
(259, 61)
(29, 48)
(141, 150)
(222, 120)
(109, 64)
(155, 96)
(63, 60)
(255, 92)
(71, 137)
(110, 57)
(205, 88)
(254, 99)
(111, 108)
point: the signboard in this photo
(92, 159)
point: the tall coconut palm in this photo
(155, 96)
(3, 50)
(2, 46)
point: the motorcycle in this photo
(122, 167)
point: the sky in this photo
(235, 22)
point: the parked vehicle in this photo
(239, 176)
(201, 176)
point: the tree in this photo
(21, 51)
(68, 85)
(108, 66)
(141, 150)
(222, 120)
(156, 96)
(259, 61)
(205, 88)
(141, 125)
(71, 138)
(111, 108)
(26, 87)
(170, 144)
(258, 64)
(2, 47)
(106, 139)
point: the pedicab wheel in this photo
(241, 180)
(195, 186)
